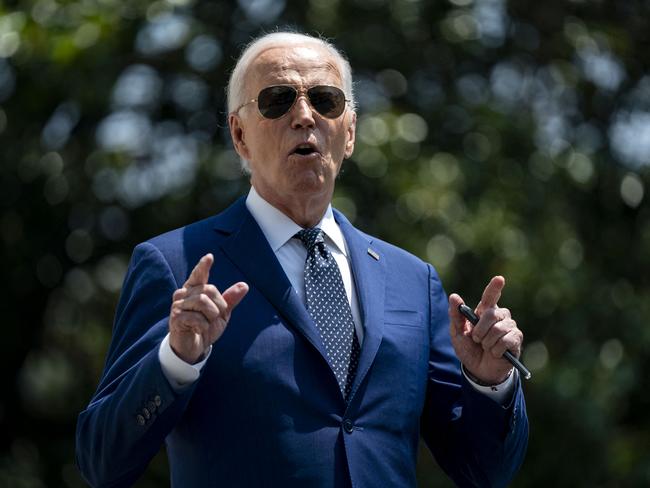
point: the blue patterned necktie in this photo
(328, 305)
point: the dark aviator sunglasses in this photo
(275, 101)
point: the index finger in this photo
(201, 272)
(491, 294)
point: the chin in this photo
(313, 182)
(315, 177)
(309, 184)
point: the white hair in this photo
(236, 91)
(236, 87)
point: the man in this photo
(276, 345)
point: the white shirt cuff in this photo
(500, 393)
(179, 373)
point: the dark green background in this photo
(493, 138)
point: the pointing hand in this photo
(480, 348)
(200, 313)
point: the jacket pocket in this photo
(406, 318)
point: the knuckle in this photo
(482, 330)
(505, 327)
(221, 304)
(490, 314)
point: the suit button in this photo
(157, 400)
(140, 419)
(348, 426)
(151, 406)
(146, 413)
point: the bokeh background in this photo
(494, 137)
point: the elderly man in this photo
(276, 345)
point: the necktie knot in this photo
(310, 237)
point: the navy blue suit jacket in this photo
(267, 410)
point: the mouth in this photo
(305, 149)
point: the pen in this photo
(473, 318)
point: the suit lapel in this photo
(249, 250)
(369, 279)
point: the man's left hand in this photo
(480, 347)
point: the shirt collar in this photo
(278, 228)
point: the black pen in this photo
(473, 318)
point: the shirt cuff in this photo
(179, 373)
(500, 393)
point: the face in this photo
(283, 170)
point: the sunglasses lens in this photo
(329, 101)
(275, 101)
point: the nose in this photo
(302, 115)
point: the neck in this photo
(304, 210)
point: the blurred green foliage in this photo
(494, 137)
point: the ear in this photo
(237, 134)
(350, 135)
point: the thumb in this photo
(457, 321)
(235, 294)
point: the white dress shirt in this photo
(292, 253)
(279, 231)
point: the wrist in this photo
(482, 382)
(192, 357)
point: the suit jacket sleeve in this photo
(116, 437)
(475, 440)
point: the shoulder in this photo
(375, 243)
(202, 231)
(405, 267)
(181, 248)
(392, 250)
(397, 261)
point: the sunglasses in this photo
(275, 101)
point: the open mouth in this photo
(305, 149)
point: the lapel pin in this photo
(373, 254)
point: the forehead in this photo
(297, 65)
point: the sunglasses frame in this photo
(300, 91)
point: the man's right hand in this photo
(200, 313)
